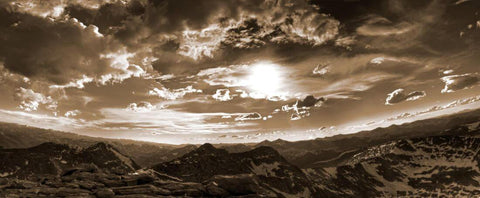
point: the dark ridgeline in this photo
(56, 159)
(262, 169)
(435, 157)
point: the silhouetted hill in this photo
(55, 159)
(144, 153)
(265, 167)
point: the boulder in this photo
(104, 193)
(214, 190)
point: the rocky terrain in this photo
(412, 161)
(336, 150)
(321, 152)
(55, 159)
(263, 167)
(100, 171)
(440, 166)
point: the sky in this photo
(226, 71)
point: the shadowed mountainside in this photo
(321, 152)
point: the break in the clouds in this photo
(154, 69)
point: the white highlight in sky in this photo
(266, 79)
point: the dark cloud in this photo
(457, 82)
(58, 51)
(400, 95)
(309, 101)
(200, 62)
(107, 16)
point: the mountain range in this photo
(437, 157)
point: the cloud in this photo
(380, 26)
(80, 83)
(61, 50)
(453, 104)
(55, 8)
(31, 100)
(141, 107)
(301, 108)
(400, 95)
(249, 116)
(321, 69)
(457, 82)
(222, 95)
(64, 52)
(174, 94)
(226, 25)
(72, 113)
(309, 101)
(251, 79)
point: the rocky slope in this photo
(60, 171)
(57, 159)
(262, 170)
(336, 150)
(437, 166)
(440, 166)
(322, 152)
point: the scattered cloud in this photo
(141, 107)
(258, 80)
(300, 108)
(31, 100)
(248, 116)
(310, 101)
(400, 95)
(222, 95)
(457, 82)
(72, 113)
(174, 94)
(321, 69)
(456, 103)
(195, 70)
(380, 26)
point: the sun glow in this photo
(266, 79)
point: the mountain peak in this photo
(207, 147)
(264, 150)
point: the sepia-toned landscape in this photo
(239, 98)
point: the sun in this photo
(266, 79)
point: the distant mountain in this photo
(263, 167)
(144, 153)
(56, 159)
(441, 166)
(322, 152)
(437, 166)
(336, 150)
(430, 158)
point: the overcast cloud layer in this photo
(232, 70)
